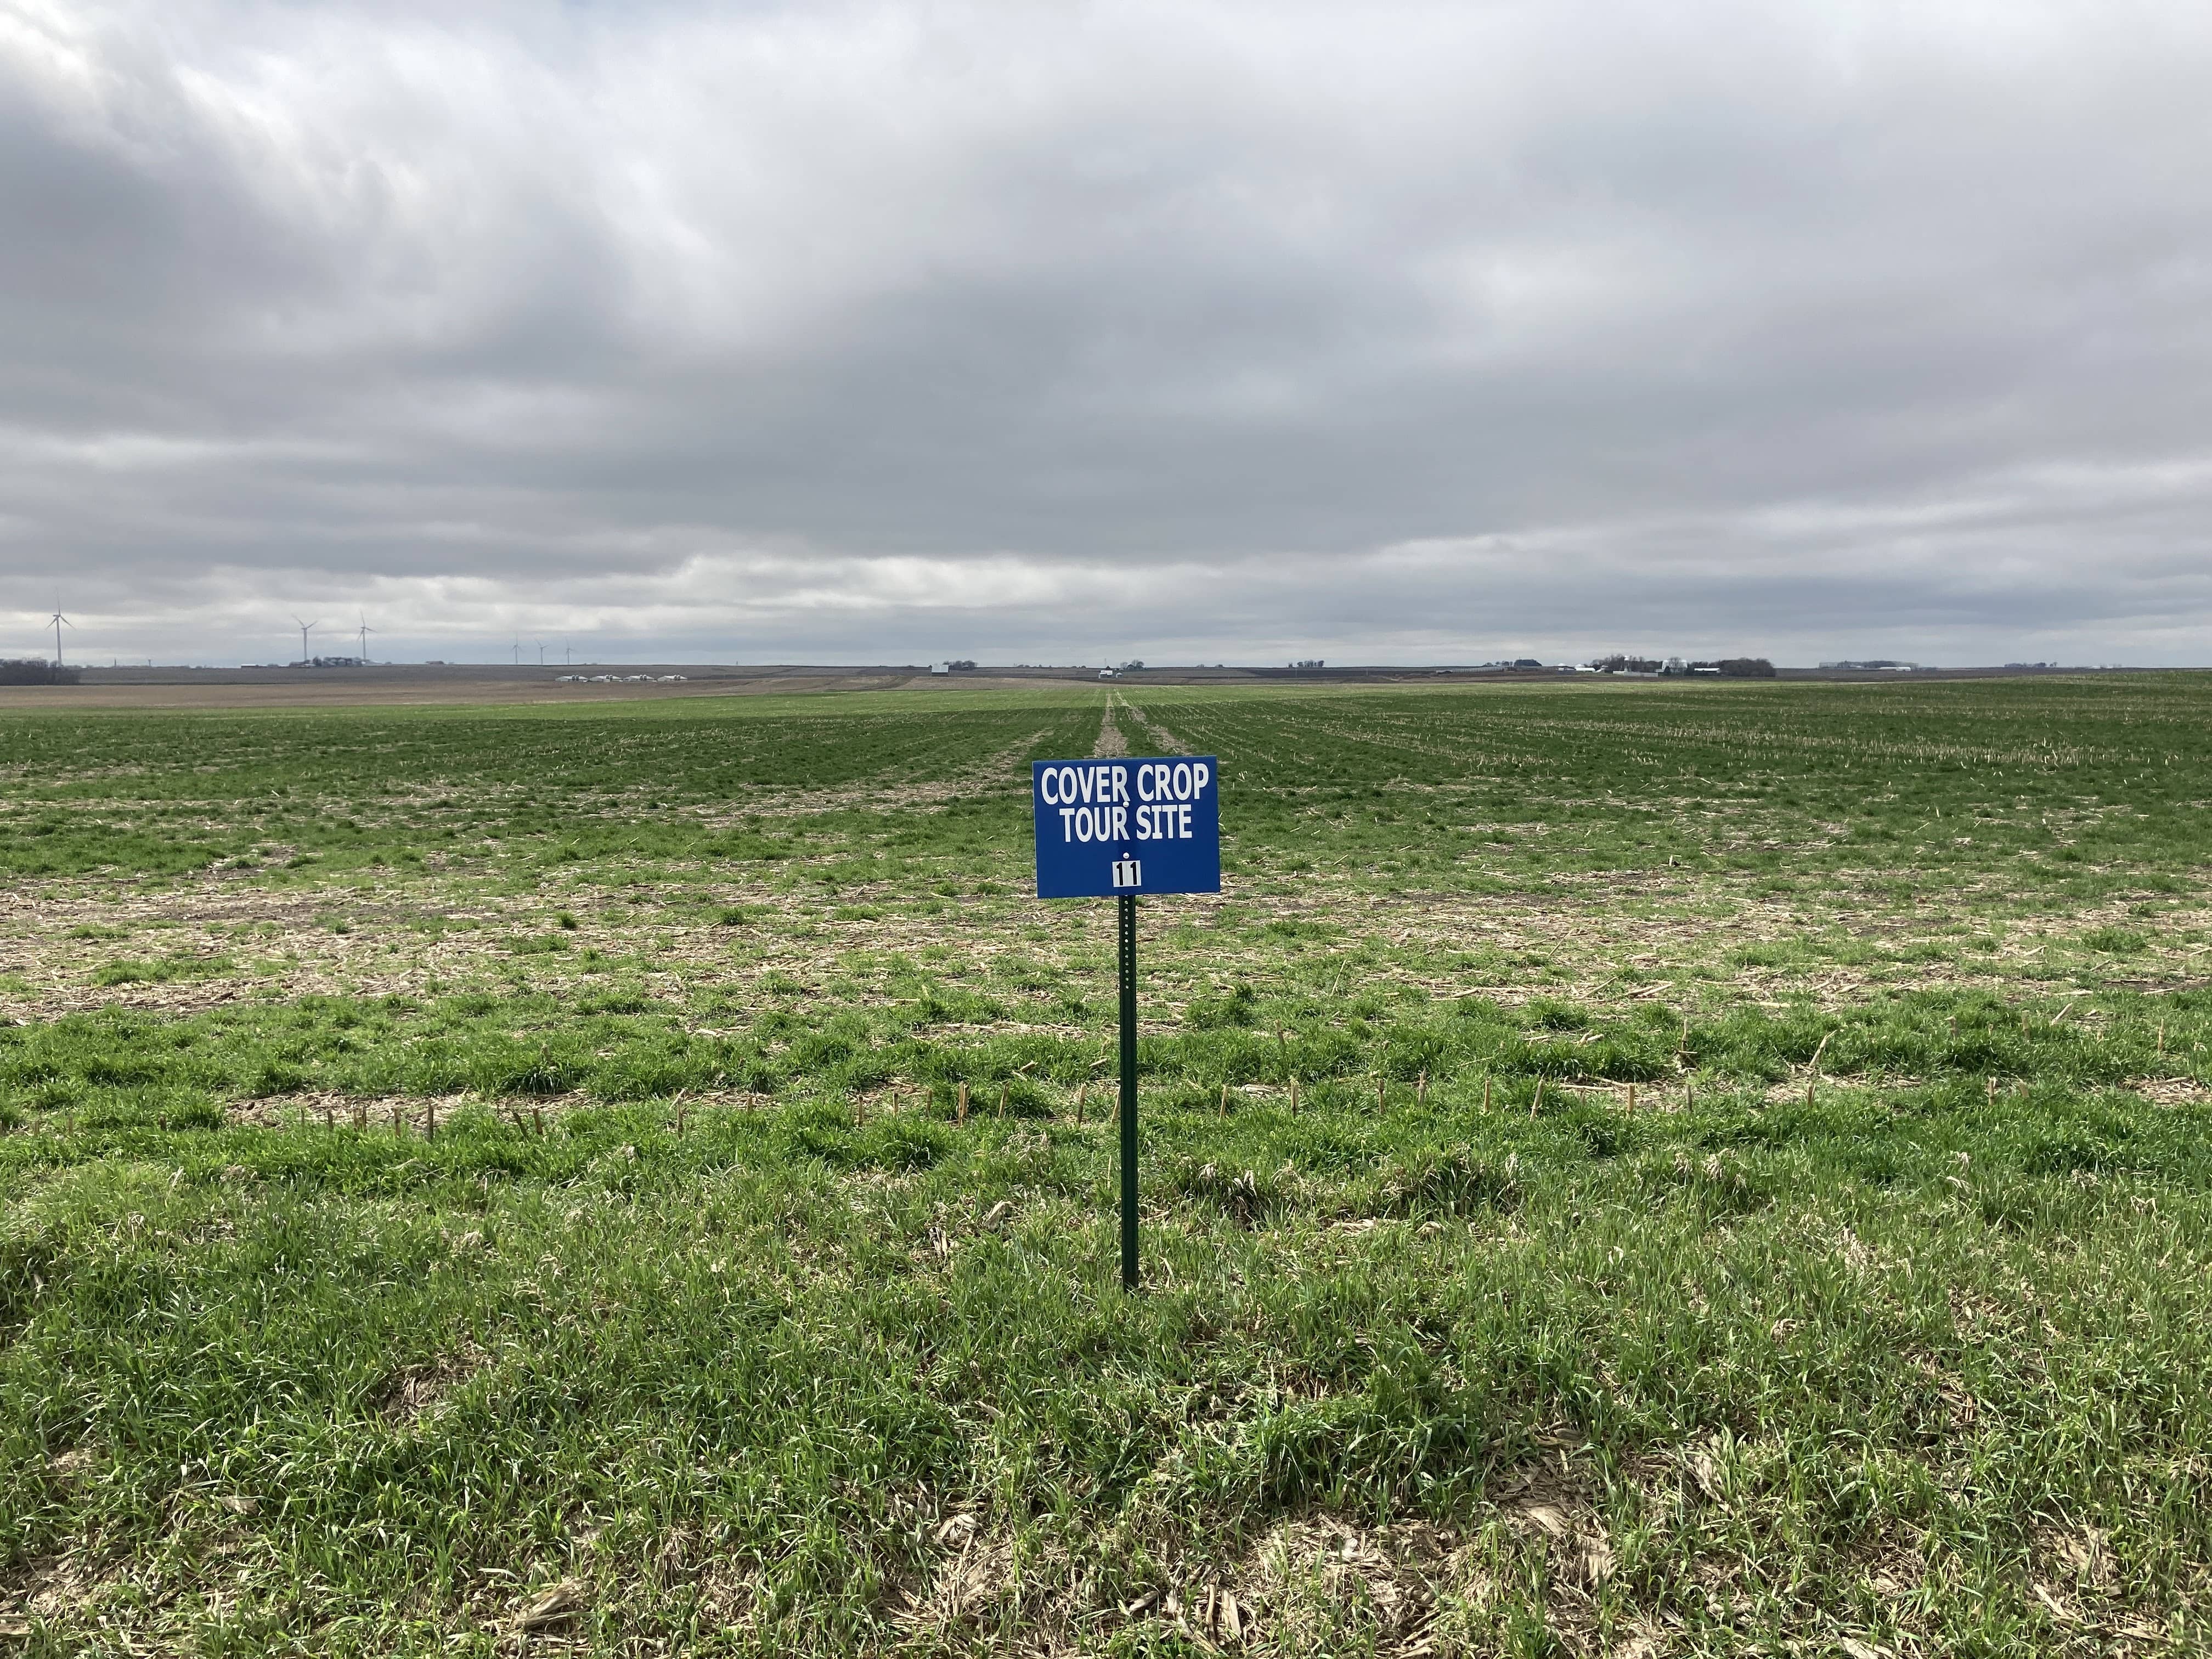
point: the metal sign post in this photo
(1126, 904)
(1116, 828)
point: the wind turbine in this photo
(305, 659)
(365, 631)
(59, 621)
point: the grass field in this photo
(1631, 1170)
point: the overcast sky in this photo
(1065, 332)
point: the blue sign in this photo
(1108, 827)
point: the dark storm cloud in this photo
(880, 332)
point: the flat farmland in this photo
(1631, 1170)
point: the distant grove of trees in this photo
(36, 671)
(1740, 668)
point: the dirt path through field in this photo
(1111, 740)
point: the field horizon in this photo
(471, 684)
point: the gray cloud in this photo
(873, 331)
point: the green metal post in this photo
(1129, 904)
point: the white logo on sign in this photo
(1128, 872)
